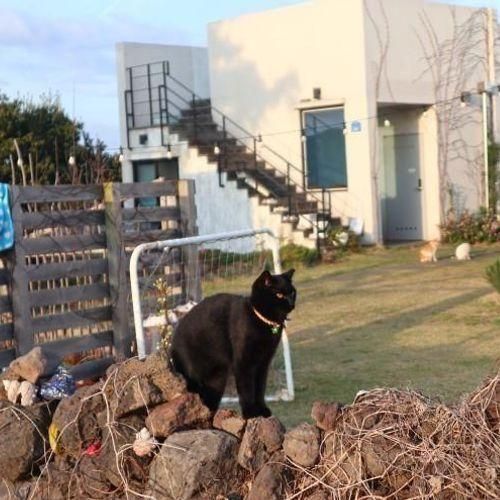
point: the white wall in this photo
(187, 64)
(220, 209)
(264, 66)
(399, 37)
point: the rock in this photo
(119, 438)
(346, 469)
(194, 464)
(268, 484)
(263, 436)
(7, 489)
(301, 445)
(11, 388)
(22, 443)
(77, 420)
(229, 421)
(184, 412)
(31, 366)
(20, 392)
(134, 384)
(91, 478)
(24, 490)
(325, 414)
(60, 481)
(41, 489)
(3, 393)
(28, 392)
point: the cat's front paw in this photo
(256, 411)
(265, 411)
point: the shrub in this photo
(493, 275)
(472, 228)
(292, 255)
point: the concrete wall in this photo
(220, 209)
(400, 35)
(187, 64)
(264, 66)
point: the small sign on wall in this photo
(356, 126)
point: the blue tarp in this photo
(6, 227)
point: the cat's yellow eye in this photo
(279, 295)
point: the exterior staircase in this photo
(235, 151)
(243, 164)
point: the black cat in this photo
(230, 332)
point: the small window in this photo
(148, 171)
(324, 148)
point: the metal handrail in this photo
(248, 135)
(192, 102)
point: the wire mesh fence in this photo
(171, 277)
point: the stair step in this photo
(269, 201)
(208, 149)
(201, 101)
(190, 130)
(280, 210)
(200, 107)
(200, 119)
(240, 163)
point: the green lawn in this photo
(381, 318)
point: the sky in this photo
(67, 47)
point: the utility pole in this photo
(492, 170)
(488, 93)
(484, 101)
(491, 19)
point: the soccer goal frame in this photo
(287, 393)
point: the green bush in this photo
(472, 228)
(493, 275)
(292, 255)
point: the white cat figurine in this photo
(462, 252)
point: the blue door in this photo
(402, 193)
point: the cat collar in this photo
(275, 327)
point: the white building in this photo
(352, 108)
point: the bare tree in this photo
(452, 64)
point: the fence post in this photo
(21, 310)
(117, 271)
(186, 191)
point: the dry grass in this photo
(382, 319)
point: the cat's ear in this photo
(265, 278)
(289, 274)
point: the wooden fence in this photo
(65, 284)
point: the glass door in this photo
(325, 153)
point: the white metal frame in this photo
(288, 394)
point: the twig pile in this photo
(397, 444)
(388, 443)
